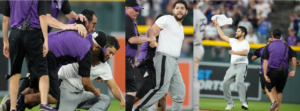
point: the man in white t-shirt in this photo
(200, 22)
(72, 92)
(238, 69)
(168, 76)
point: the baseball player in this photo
(145, 75)
(167, 73)
(276, 57)
(238, 69)
(133, 38)
(200, 22)
(72, 91)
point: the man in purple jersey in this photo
(276, 57)
(28, 37)
(133, 38)
(63, 52)
(145, 72)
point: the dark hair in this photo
(243, 29)
(276, 33)
(88, 13)
(160, 15)
(182, 2)
(112, 42)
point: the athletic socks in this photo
(24, 85)
(129, 102)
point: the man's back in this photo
(171, 36)
(70, 45)
(278, 52)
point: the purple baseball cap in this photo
(133, 4)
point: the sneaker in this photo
(3, 106)
(19, 102)
(46, 108)
(245, 106)
(229, 107)
(273, 106)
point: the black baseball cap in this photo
(99, 38)
(276, 33)
(133, 4)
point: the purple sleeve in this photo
(71, 21)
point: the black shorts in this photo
(130, 78)
(262, 81)
(278, 79)
(144, 84)
(27, 44)
(53, 77)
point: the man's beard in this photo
(237, 37)
(179, 19)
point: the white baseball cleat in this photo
(245, 106)
(229, 107)
(3, 106)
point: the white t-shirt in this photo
(200, 22)
(70, 73)
(235, 46)
(171, 36)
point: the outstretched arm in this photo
(116, 91)
(220, 32)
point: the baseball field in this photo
(210, 104)
(114, 106)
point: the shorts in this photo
(29, 44)
(147, 82)
(198, 51)
(278, 79)
(130, 78)
(54, 90)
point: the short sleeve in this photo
(292, 53)
(44, 7)
(85, 64)
(102, 70)
(246, 46)
(265, 54)
(231, 40)
(66, 8)
(162, 22)
(256, 52)
(130, 30)
(5, 8)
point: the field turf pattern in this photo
(211, 104)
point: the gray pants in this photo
(196, 92)
(168, 78)
(70, 98)
(237, 73)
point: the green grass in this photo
(114, 106)
(220, 104)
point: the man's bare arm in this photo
(58, 25)
(88, 86)
(220, 32)
(242, 53)
(153, 32)
(44, 27)
(115, 89)
(254, 57)
(5, 25)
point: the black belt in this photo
(28, 28)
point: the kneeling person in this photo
(73, 94)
